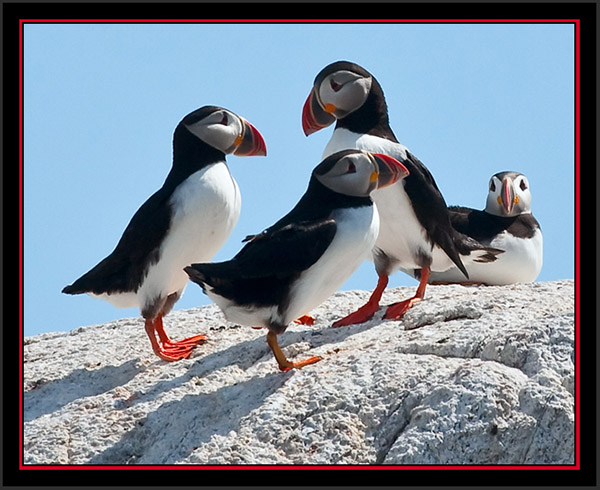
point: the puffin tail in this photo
(80, 286)
(461, 266)
(473, 251)
(470, 250)
(197, 275)
(71, 289)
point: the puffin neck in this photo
(190, 154)
(317, 203)
(319, 200)
(371, 117)
(504, 220)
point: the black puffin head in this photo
(223, 130)
(357, 173)
(348, 93)
(206, 135)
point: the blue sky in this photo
(101, 102)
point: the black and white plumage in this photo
(506, 223)
(415, 231)
(296, 264)
(188, 219)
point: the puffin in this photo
(188, 219)
(416, 231)
(506, 223)
(294, 265)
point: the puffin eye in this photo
(523, 185)
(334, 85)
(224, 120)
(492, 186)
(351, 168)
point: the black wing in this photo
(462, 218)
(125, 268)
(430, 208)
(262, 271)
(484, 227)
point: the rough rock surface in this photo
(472, 375)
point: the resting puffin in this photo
(415, 232)
(296, 264)
(188, 219)
(506, 223)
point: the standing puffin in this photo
(296, 264)
(506, 223)
(188, 219)
(415, 232)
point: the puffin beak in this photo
(507, 196)
(314, 117)
(250, 143)
(390, 170)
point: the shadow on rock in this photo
(174, 430)
(247, 353)
(81, 383)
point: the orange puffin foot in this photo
(284, 364)
(397, 310)
(368, 310)
(305, 320)
(363, 314)
(167, 349)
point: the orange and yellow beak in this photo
(508, 197)
(314, 117)
(389, 170)
(250, 142)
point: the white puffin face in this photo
(508, 195)
(343, 92)
(357, 173)
(221, 129)
(353, 175)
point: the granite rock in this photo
(471, 375)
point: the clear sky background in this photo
(102, 101)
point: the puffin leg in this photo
(397, 310)
(167, 351)
(365, 312)
(284, 364)
(305, 320)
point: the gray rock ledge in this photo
(472, 375)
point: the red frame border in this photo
(576, 22)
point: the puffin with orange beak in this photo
(187, 220)
(296, 264)
(506, 223)
(415, 231)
